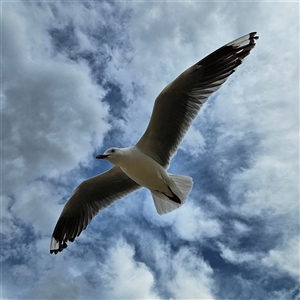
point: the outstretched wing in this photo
(179, 103)
(87, 200)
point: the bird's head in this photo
(113, 155)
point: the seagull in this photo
(145, 164)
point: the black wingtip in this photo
(252, 38)
(253, 35)
(60, 249)
(244, 49)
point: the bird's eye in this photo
(113, 150)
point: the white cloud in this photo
(193, 142)
(53, 120)
(130, 279)
(192, 277)
(115, 276)
(36, 205)
(237, 257)
(240, 228)
(192, 224)
(285, 257)
(53, 117)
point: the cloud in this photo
(128, 273)
(116, 276)
(193, 225)
(60, 117)
(192, 277)
(285, 257)
(82, 77)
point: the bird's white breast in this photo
(144, 170)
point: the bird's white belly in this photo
(147, 173)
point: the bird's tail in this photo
(181, 187)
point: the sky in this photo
(81, 77)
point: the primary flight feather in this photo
(145, 164)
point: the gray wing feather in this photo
(178, 104)
(87, 200)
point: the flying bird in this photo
(145, 163)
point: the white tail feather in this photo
(183, 186)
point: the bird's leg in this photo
(173, 197)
